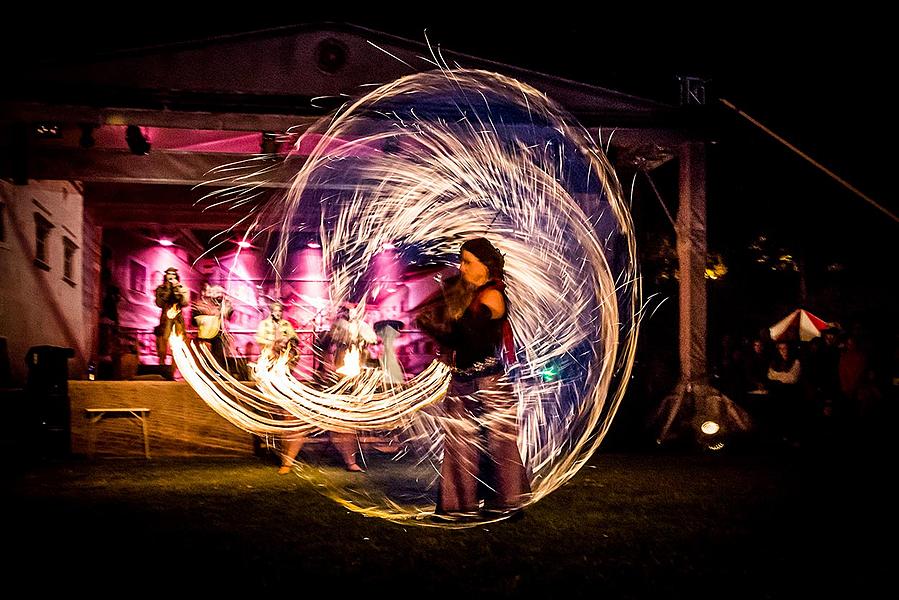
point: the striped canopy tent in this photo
(799, 324)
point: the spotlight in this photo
(710, 428)
(166, 243)
(244, 244)
(269, 143)
(713, 436)
(137, 142)
(331, 55)
(314, 245)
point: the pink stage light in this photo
(332, 146)
(166, 243)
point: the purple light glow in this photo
(184, 140)
(334, 146)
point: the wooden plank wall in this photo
(180, 423)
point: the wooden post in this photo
(691, 252)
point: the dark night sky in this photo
(821, 80)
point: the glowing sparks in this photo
(350, 366)
(427, 162)
(281, 405)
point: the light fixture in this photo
(166, 243)
(710, 428)
(314, 245)
(48, 130)
(244, 244)
(137, 142)
(713, 436)
(269, 143)
(87, 135)
(332, 55)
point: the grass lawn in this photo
(629, 525)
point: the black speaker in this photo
(47, 391)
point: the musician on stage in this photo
(171, 297)
(209, 314)
(275, 334)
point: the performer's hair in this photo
(487, 254)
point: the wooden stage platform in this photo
(177, 421)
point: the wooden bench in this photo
(95, 415)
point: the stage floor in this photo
(179, 422)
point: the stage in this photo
(177, 421)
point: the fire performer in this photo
(480, 420)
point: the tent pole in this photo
(694, 398)
(691, 253)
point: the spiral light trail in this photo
(423, 164)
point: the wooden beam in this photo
(37, 112)
(157, 167)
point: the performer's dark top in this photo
(476, 337)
